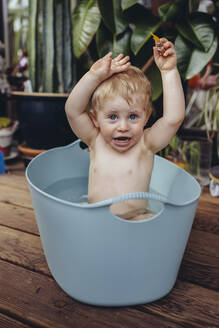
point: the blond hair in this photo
(125, 84)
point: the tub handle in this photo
(136, 195)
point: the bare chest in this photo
(112, 174)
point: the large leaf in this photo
(113, 16)
(58, 45)
(39, 47)
(153, 75)
(199, 29)
(32, 41)
(183, 52)
(146, 24)
(48, 48)
(193, 5)
(122, 43)
(191, 61)
(202, 58)
(125, 4)
(68, 60)
(171, 10)
(86, 19)
(106, 42)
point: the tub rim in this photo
(105, 202)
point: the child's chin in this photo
(121, 146)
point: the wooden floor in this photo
(29, 296)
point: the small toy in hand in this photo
(158, 44)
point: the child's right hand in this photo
(103, 68)
(168, 60)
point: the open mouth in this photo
(122, 140)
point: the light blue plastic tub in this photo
(97, 257)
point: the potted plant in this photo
(125, 26)
(51, 66)
(185, 154)
(202, 112)
(99, 26)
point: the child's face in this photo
(121, 124)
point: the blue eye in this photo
(133, 116)
(113, 117)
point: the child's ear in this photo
(93, 117)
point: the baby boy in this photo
(121, 150)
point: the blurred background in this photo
(46, 46)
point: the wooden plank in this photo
(201, 260)
(19, 218)
(7, 322)
(11, 195)
(17, 167)
(200, 274)
(207, 214)
(189, 305)
(200, 263)
(23, 249)
(207, 217)
(207, 197)
(14, 180)
(203, 243)
(39, 301)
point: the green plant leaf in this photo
(183, 52)
(153, 75)
(145, 25)
(48, 49)
(104, 40)
(122, 43)
(190, 60)
(199, 29)
(128, 3)
(68, 59)
(117, 44)
(112, 15)
(58, 45)
(39, 47)
(169, 11)
(200, 59)
(86, 19)
(32, 42)
(193, 5)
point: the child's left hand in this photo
(106, 66)
(168, 60)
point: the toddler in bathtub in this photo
(121, 150)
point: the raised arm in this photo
(164, 129)
(79, 97)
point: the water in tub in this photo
(75, 190)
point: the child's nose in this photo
(123, 125)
